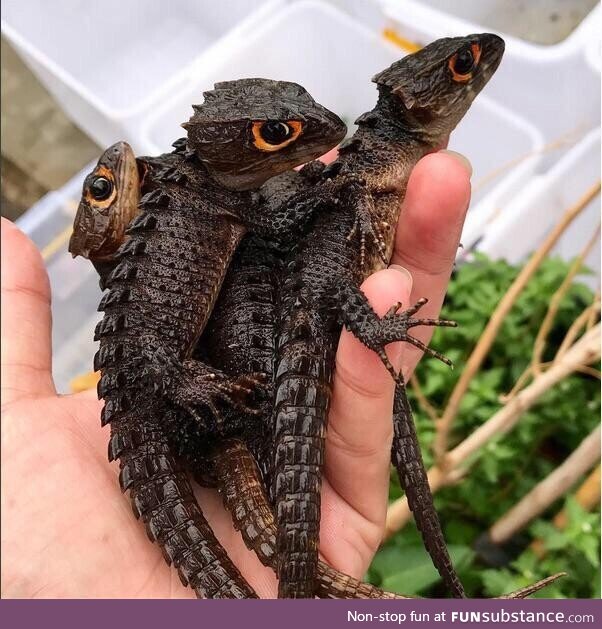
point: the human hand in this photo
(68, 531)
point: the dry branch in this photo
(593, 318)
(557, 297)
(422, 400)
(581, 321)
(489, 334)
(548, 490)
(536, 366)
(583, 352)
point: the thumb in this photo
(26, 357)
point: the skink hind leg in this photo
(407, 459)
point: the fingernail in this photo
(403, 271)
(462, 159)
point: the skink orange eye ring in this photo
(464, 62)
(100, 187)
(273, 135)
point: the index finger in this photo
(428, 235)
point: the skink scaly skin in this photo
(421, 99)
(189, 221)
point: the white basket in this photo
(334, 57)
(109, 63)
(523, 224)
(551, 86)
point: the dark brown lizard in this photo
(163, 289)
(240, 338)
(420, 101)
(109, 202)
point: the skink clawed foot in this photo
(204, 386)
(395, 326)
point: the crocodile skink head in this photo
(249, 130)
(109, 202)
(435, 86)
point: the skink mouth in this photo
(338, 126)
(307, 156)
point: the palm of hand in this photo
(70, 529)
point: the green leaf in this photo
(501, 474)
(408, 569)
(497, 582)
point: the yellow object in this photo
(401, 42)
(56, 243)
(84, 382)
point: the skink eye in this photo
(274, 132)
(272, 135)
(101, 188)
(464, 62)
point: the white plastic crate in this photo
(108, 63)
(532, 22)
(523, 224)
(334, 57)
(593, 55)
(550, 85)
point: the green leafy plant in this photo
(507, 468)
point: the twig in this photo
(568, 139)
(422, 400)
(583, 352)
(537, 367)
(592, 310)
(590, 371)
(555, 301)
(548, 490)
(587, 497)
(591, 322)
(518, 385)
(489, 334)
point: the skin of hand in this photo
(68, 532)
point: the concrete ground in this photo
(41, 148)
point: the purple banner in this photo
(114, 614)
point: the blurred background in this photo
(77, 76)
